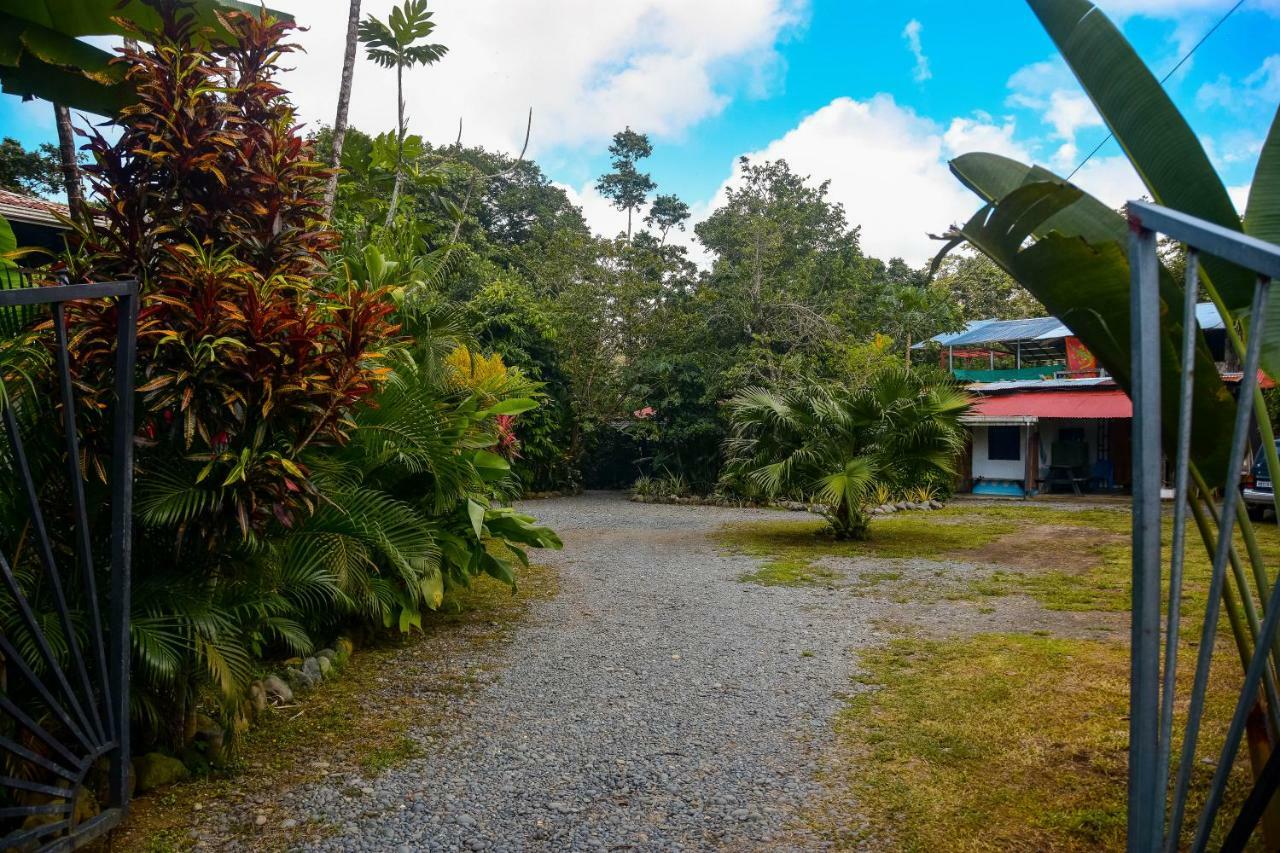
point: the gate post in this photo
(122, 542)
(1146, 796)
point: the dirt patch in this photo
(1046, 547)
(1007, 614)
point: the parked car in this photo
(1258, 491)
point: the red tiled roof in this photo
(28, 208)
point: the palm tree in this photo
(70, 166)
(394, 44)
(344, 100)
(836, 445)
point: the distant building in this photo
(1046, 415)
(35, 220)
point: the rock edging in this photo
(791, 506)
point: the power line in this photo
(1163, 79)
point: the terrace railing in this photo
(64, 668)
(1157, 803)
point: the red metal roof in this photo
(1111, 403)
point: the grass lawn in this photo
(1009, 740)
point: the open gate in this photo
(64, 680)
(1157, 810)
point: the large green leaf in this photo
(1152, 132)
(102, 17)
(41, 55)
(36, 61)
(992, 177)
(1087, 286)
(1262, 216)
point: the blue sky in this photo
(838, 88)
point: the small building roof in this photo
(17, 207)
(1102, 403)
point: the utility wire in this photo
(1163, 79)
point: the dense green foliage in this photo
(840, 446)
(37, 171)
(315, 450)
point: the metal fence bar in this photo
(1257, 636)
(1187, 382)
(1261, 648)
(1146, 808)
(122, 539)
(1226, 532)
(93, 720)
(80, 510)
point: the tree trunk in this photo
(907, 359)
(70, 168)
(628, 225)
(850, 522)
(395, 189)
(344, 101)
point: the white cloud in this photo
(587, 68)
(1259, 88)
(980, 133)
(1111, 180)
(1049, 88)
(887, 166)
(912, 34)
(1240, 196)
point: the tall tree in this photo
(667, 212)
(67, 151)
(626, 186)
(344, 100)
(395, 43)
(36, 171)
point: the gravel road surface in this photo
(657, 703)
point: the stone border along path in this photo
(657, 703)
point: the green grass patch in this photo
(1087, 568)
(994, 742)
(791, 572)
(908, 534)
(388, 755)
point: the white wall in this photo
(997, 469)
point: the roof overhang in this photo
(999, 420)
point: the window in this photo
(1004, 443)
(1072, 434)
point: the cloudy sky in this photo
(874, 96)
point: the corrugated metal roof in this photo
(1111, 403)
(947, 337)
(1044, 329)
(1031, 329)
(1207, 316)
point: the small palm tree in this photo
(395, 44)
(836, 445)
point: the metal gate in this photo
(64, 681)
(1157, 811)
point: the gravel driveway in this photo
(657, 703)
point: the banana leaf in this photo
(1086, 285)
(41, 55)
(1154, 135)
(102, 17)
